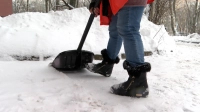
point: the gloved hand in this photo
(94, 9)
(92, 4)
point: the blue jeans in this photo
(124, 27)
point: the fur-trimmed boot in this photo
(105, 67)
(136, 85)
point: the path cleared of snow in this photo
(28, 86)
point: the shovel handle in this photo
(87, 28)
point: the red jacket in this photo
(114, 8)
(149, 1)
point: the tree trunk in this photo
(57, 3)
(174, 8)
(77, 3)
(194, 22)
(47, 5)
(158, 9)
(172, 14)
(73, 3)
(198, 20)
(152, 11)
(27, 6)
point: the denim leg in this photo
(115, 41)
(128, 26)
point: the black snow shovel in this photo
(76, 59)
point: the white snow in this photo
(47, 34)
(33, 86)
(192, 38)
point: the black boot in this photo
(136, 85)
(105, 67)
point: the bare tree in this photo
(195, 17)
(27, 5)
(48, 5)
(20, 6)
(158, 11)
(198, 20)
(57, 4)
(73, 2)
(173, 16)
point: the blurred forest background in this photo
(180, 17)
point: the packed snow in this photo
(33, 86)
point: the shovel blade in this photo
(72, 60)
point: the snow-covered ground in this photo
(33, 86)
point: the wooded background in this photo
(180, 17)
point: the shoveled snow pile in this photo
(47, 34)
(192, 38)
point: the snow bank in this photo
(195, 37)
(192, 38)
(155, 37)
(47, 34)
